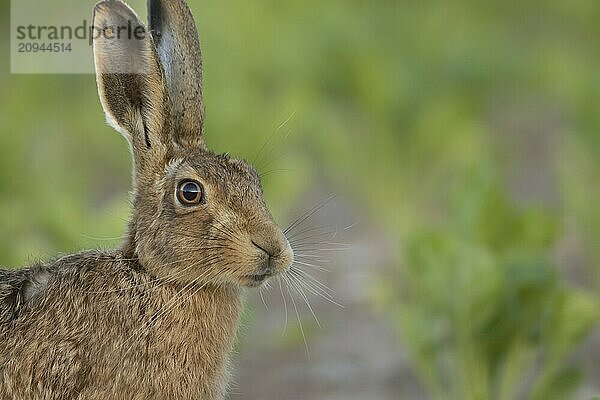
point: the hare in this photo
(157, 318)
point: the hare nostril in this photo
(261, 248)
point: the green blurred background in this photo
(464, 137)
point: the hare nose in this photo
(270, 241)
(263, 247)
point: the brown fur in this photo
(157, 317)
(83, 336)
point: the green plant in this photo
(482, 307)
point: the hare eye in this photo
(190, 193)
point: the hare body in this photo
(84, 333)
(157, 318)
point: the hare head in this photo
(197, 216)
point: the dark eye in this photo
(189, 192)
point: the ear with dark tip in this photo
(131, 82)
(176, 39)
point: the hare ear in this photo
(176, 39)
(130, 80)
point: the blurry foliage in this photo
(482, 306)
(393, 101)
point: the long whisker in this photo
(325, 288)
(260, 292)
(342, 246)
(314, 289)
(276, 158)
(284, 305)
(297, 239)
(309, 229)
(311, 258)
(300, 291)
(352, 225)
(284, 123)
(145, 283)
(314, 250)
(298, 316)
(314, 266)
(102, 238)
(307, 215)
(272, 171)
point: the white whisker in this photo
(284, 305)
(300, 291)
(298, 316)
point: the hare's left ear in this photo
(131, 82)
(176, 39)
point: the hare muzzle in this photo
(273, 251)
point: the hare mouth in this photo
(258, 277)
(255, 280)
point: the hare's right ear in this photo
(176, 39)
(131, 81)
